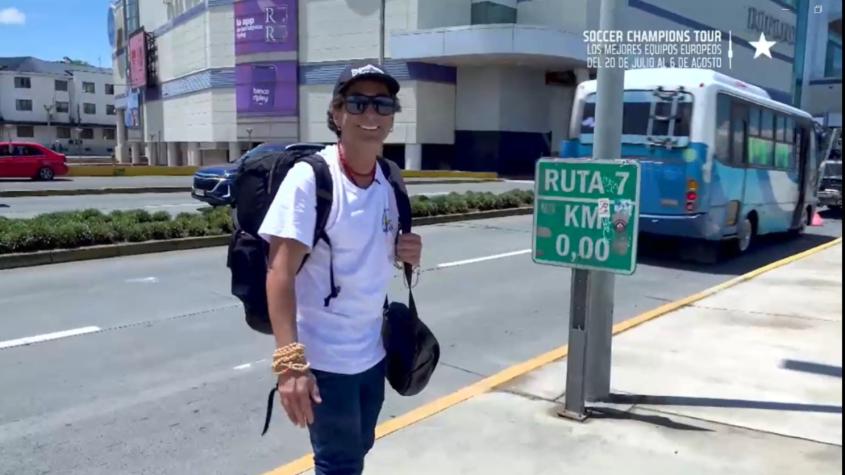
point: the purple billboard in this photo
(263, 26)
(267, 88)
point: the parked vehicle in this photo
(213, 184)
(720, 159)
(830, 185)
(30, 160)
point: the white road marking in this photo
(47, 337)
(482, 259)
(143, 280)
(520, 181)
(244, 366)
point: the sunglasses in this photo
(383, 105)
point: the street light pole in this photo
(381, 32)
(79, 140)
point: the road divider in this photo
(54, 256)
(115, 190)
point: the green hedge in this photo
(71, 229)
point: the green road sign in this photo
(586, 214)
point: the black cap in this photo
(357, 72)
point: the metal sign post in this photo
(586, 216)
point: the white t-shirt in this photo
(344, 337)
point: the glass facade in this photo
(833, 52)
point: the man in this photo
(330, 359)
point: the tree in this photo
(77, 62)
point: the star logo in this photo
(762, 46)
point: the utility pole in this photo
(608, 145)
(592, 291)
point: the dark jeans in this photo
(344, 423)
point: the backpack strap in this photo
(403, 204)
(325, 191)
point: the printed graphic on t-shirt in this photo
(386, 222)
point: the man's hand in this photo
(298, 390)
(409, 249)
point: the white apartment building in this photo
(60, 105)
(487, 85)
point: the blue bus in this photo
(720, 160)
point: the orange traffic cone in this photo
(817, 219)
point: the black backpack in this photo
(257, 181)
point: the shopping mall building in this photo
(486, 84)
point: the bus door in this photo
(801, 160)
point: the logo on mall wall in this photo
(761, 22)
(263, 26)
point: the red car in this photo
(30, 160)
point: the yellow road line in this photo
(306, 462)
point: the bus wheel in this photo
(745, 235)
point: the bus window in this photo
(588, 121)
(723, 128)
(739, 131)
(783, 150)
(761, 149)
(754, 122)
(635, 119)
(781, 129)
(800, 148)
(767, 124)
(790, 130)
(636, 113)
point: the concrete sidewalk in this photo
(747, 381)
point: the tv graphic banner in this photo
(266, 89)
(138, 60)
(264, 26)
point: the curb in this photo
(187, 189)
(306, 462)
(55, 256)
(30, 259)
(107, 169)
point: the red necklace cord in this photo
(349, 171)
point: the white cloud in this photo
(12, 16)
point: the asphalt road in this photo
(170, 380)
(26, 207)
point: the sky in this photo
(53, 29)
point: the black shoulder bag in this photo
(412, 350)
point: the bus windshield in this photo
(648, 117)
